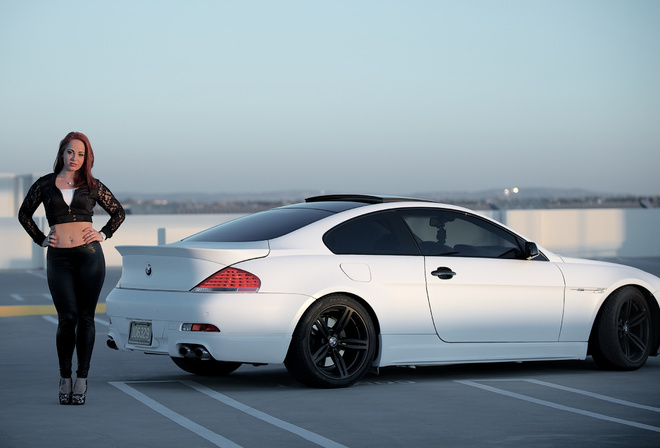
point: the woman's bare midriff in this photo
(70, 234)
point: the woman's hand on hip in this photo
(90, 235)
(51, 240)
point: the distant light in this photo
(506, 192)
(515, 190)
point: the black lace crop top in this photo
(59, 212)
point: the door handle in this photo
(443, 273)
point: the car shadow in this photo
(269, 377)
(276, 376)
(482, 370)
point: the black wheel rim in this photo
(339, 342)
(633, 330)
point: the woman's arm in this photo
(111, 205)
(30, 204)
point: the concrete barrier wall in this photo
(591, 233)
(20, 252)
(582, 233)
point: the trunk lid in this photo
(181, 266)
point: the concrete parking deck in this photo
(146, 401)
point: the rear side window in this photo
(261, 226)
(382, 233)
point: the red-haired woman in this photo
(75, 261)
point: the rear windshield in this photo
(268, 224)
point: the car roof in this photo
(363, 198)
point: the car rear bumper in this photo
(254, 327)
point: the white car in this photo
(340, 284)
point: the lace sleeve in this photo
(111, 205)
(30, 204)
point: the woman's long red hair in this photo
(84, 175)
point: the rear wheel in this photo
(206, 367)
(333, 345)
(623, 331)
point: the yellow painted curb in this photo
(36, 310)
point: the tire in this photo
(206, 367)
(623, 331)
(333, 345)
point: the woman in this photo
(75, 261)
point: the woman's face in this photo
(73, 156)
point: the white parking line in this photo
(17, 297)
(594, 395)
(210, 435)
(51, 319)
(305, 434)
(39, 274)
(102, 322)
(559, 406)
(179, 419)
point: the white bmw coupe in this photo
(340, 284)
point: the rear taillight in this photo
(199, 327)
(230, 280)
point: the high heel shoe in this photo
(77, 397)
(65, 391)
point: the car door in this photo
(480, 287)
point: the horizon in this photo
(491, 193)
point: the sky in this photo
(343, 96)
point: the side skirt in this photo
(429, 350)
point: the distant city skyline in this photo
(372, 96)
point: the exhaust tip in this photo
(202, 353)
(194, 351)
(111, 343)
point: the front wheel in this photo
(622, 336)
(333, 345)
(206, 367)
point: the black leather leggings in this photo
(75, 279)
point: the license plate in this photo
(140, 333)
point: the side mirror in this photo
(531, 250)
